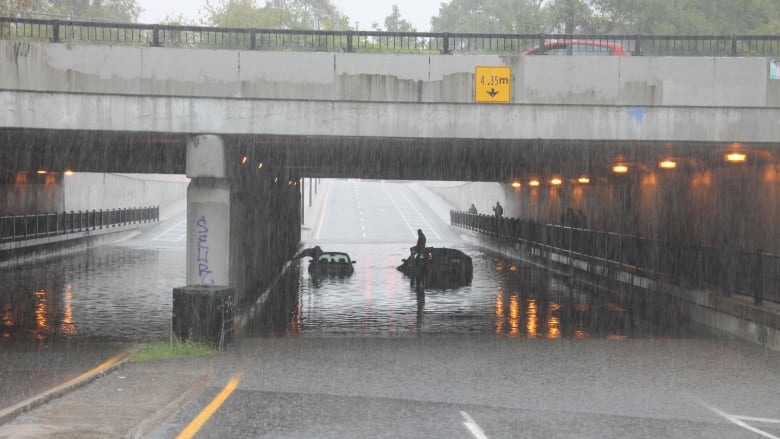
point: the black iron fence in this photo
(156, 35)
(41, 225)
(755, 274)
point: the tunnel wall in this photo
(640, 81)
(27, 192)
(32, 193)
(88, 191)
(731, 206)
(484, 195)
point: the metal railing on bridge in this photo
(755, 274)
(42, 225)
(158, 35)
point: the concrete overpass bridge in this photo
(245, 125)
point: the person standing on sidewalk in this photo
(499, 211)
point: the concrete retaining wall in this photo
(639, 81)
(93, 191)
(733, 316)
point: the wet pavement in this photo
(521, 352)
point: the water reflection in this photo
(505, 298)
(108, 293)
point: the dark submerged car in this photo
(331, 264)
(440, 268)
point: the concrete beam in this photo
(68, 111)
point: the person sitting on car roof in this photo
(419, 249)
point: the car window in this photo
(556, 50)
(590, 50)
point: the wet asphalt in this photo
(316, 382)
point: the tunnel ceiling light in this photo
(584, 180)
(736, 157)
(533, 183)
(667, 164)
(41, 172)
(276, 179)
(556, 181)
(260, 165)
(244, 159)
(516, 184)
(620, 169)
(69, 172)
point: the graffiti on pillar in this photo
(204, 272)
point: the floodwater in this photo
(105, 294)
(507, 298)
(124, 294)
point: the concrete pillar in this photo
(208, 213)
(243, 226)
(203, 310)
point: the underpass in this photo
(545, 159)
(520, 351)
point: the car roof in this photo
(617, 48)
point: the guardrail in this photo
(42, 225)
(156, 35)
(755, 274)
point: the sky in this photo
(362, 12)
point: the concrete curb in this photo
(15, 410)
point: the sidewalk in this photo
(312, 213)
(129, 401)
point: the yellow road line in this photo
(322, 213)
(196, 424)
(103, 366)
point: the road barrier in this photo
(158, 35)
(41, 225)
(752, 273)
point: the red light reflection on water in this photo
(41, 318)
(553, 321)
(514, 315)
(499, 319)
(531, 325)
(67, 327)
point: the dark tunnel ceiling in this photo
(360, 157)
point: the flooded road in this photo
(506, 298)
(61, 316)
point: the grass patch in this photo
(162, 350)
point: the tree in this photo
(489, 16)
(394, 22)
(283, 14)
(570, 16)
(719, 17)
(108, 10)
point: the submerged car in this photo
(578, 48)
(440, 268)
(331, 264)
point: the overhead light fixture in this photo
(244, 159)
(667, 164)
(41, 172)
(69, 172)
(533, 183)
(584, 180)
(260, 165)
(516, 184)
(736, 157)
(556, 181)
(620, 169)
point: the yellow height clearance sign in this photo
(492, 84)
